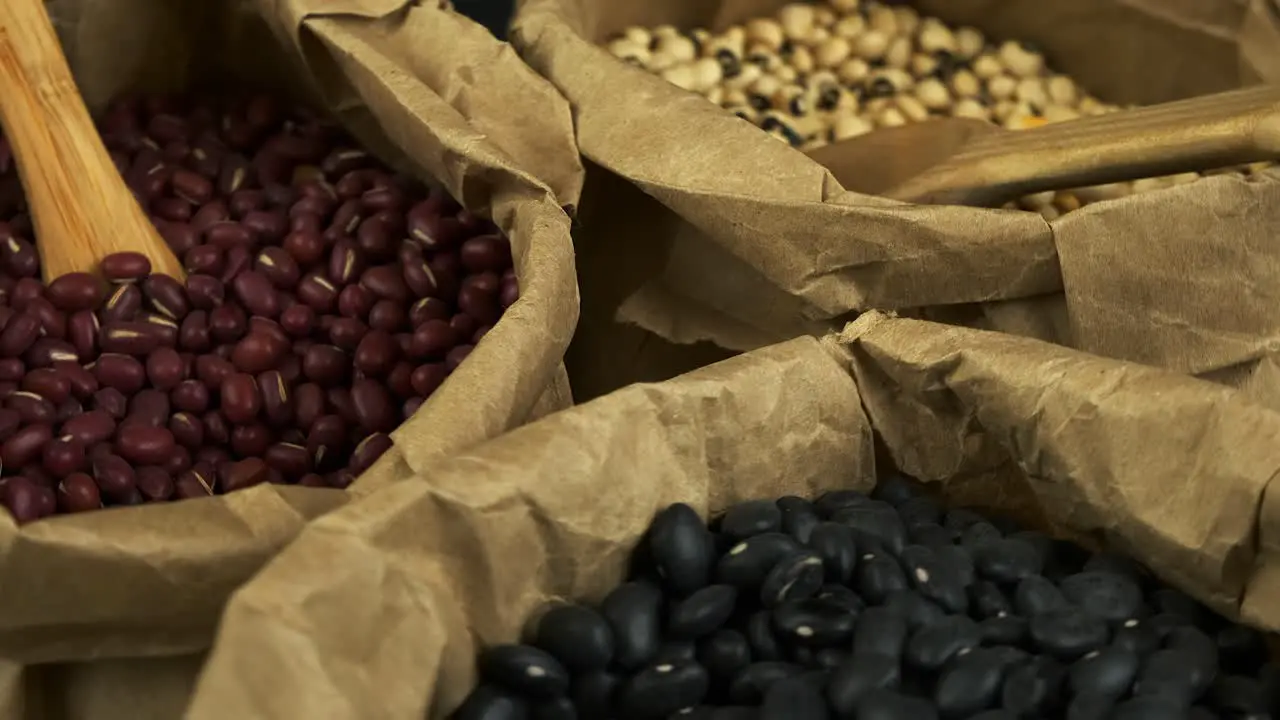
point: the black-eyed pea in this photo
(890, 117)
(965, 84)
(1019, 60)
(871, 45)
(716, 95)
(1062, 90)
(1032, 92)
(1066, 201)
(849, 126)
(911, 108)
(908, 19)
(882, 19)
(765, 33)
(1002, 87)
(853, 70)
(987, 67)
(801, 60)
(824, 16)
(1098, 193)
(793, 100)
(746, 112)
(680, 47)
(786, 74)
(733, 40)
(706, 74)
(627, 51)
(1092, 106)
(817, 36)
(1059, 113)
(682, 76)
(767, 87)
(1148, 184)
(796, 20)
(933, 94)
(763, 58)
(899, 53)
(1038, 200)
(922, 64)
(935, 36)
(1018, 116)
(638, 35)
(970, 108)
(845, 7)
(969, 42)
(875, 106)
(1190, 177)
(1049, 212)
(849, 27)
(700, 39)
(747, 74)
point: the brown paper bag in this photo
(151, 581)
(378, 609)
(753, 242)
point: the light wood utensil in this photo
(80, 206)
(988, 165)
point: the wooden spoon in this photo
(961, 162)
(80, 206)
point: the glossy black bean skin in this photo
(703, 612)
(1068, 633)
(660, 690)
(633, 611)
(578, 636)
(859, 676)
(724, 653)
(795, 577)
(880, 631)
(681, 549)
(751, 684)
(526, 670)
(931, 647)
(746, 564)
(794, 698)
(834, 543)
(491, 703)
(753, 517)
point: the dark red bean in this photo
(368, 451)
(228, 323)
(149, 407)
(197, 482)
(251, 440)
(130, 338)
(213, 370)
(31, 408)
(19, 257)
(419, 278)
(243, 474)
(291, 460)
(259, 352)
(325, 365)
(12, 369)
(46, 351)
(82, 332)
(277, 401)
(204, 259)
(355, 302)
(111, 401)
(205, 292)
(144, 444)
(179, 236)
(510, 292)
(229, 235)
(374, 409)
(83, 383)
(90, 428)
(210, 214)
(386, 282)
(75, 291)
(178, 461)
(256, 293)
(187, 429)
(480, 333)
(485, 253)
(433, 339)
(339, 399)
(298, 320)
(22, 498)
(48, 383)
(123, 304)
(78, 492)
(216, 428)
(313, 480)
(346, 263)
(400, 379)
(279, 267)
(326, 440)
(306, 247)
(166, 295)
(63, 456)
(267, 226)
(316, 291)
(346, 333)
(456, 356)
(309, 404)
(376, 353)
(25, 445)
(191, 186)
(9, 424)
(165, 369)
(241, 399)
(120, 372)
(155, 483)
(19, 335)
(464, 324)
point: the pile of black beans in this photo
(885, 606)
(326, 298)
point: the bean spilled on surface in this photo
(327, 297)
(884, 606)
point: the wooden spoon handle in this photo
(81, 207)
(1212, 131)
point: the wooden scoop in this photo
(81, 207)
(975, 163)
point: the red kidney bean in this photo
(259, 352)
(149, 407)
(325, 365)
(31, 408)
(111, 401)
(22, 498)
(227, 323)
(485, 253)
(124, 303)
(78, 492)
(165, 295)
(63, 456)
(368, 451)
(75, 291)
(205, 292)
(256, 293)
(144, 444)
(19, 335)
(374, 409)
(241, 399)
(121, 372)
(25, 445)
(82, 331)
(376, 353)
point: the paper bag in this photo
(753, 242)
(378, 609)
(151, 580)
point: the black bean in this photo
(987, 601)
(1109, 671)
(750, 518)
(859, 676)
(875, 524)
(660, 690)
(934, 578)
(1107, 595)
(1090, 707)
(676, 651)
(878, 576)
(795, 577)
(764, 644)
(969, 684)
(752, 682)
(932, 646)
(1036, 595)
(746, 564)
(1151, 708)
(633, 611)
(889, 705)
(561, 708)
(1068, 633)
(724, 653)
(799, 517)
(896, 489)
(1007, 560)
(880, 631)
(914, 608)
(812, 622)
(681, 549)
(594, 694)
(1034, 688)
(525, 669)
(1240, 695)
(794, 699)
(834, 543)
(1172, 673)
(1006, 630)
(578, 636)
(703, 612)
(490, 703)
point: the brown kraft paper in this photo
(378, 609)
(151, 581)
(754, 242)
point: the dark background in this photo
(493, 14)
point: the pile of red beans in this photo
(326, 298)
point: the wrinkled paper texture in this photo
(378, 609)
